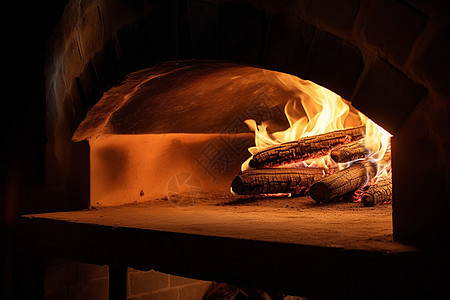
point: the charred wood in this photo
(277, 180)
(348, 152)
(378, 193)
(305, 148)
(344, 181)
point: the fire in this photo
(316, 110)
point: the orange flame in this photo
(316, 110)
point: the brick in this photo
(106, 64)
(159, 30)
(204, 23)
(287, 44)
(144, 282)
(59, 274)
(91, 290)
(387, 96)
(338, 15)
(334, 64)
(71, 60)
(115, 14)
(242, 36)
(421, 176)
(90, 272)
(434, 64)
(52, 105)
(177, 280)
(393, 28)
(184, 34)
(78, 179)
(131, 48)
(194, 292)
(88, 85)
(56, 294)
(71, 108)
(90, 30)
(73, 280)
(163, 295)
(153, 38)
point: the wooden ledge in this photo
(297, 248)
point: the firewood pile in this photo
(271, 173)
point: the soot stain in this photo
(115, 161)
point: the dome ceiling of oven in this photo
(194, 96)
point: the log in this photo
(271, 181)
(349, 152)
(344, 181)
(305, 148)
(378, 193)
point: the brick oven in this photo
(388, 58)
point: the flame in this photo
(317, 110)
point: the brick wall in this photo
(150, 285)
(389, 57)
(74, 280)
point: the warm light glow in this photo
(317, 110)
(378, 141)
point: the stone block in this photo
(59, 274)
(421, 182)
(72, 109)
(56, 91)
(159, 30)
(153, 38)
(71, 60)
(131, 48)
(106, 64)
(393, 27)
(434, 64)
(144, 282)
(73, 280)
(90, 30)
(92, 290)
(335, 15)
(163, 295)
(334, 64)
(287, 43)
(116, 14)
(91, 272)
(242, 36)
(194, 292)
(88, 85)
(177, 280)
(387, 96)
(204, 23)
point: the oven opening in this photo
(202, 131)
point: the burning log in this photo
(272, 181)
(348, 180)
(378, 193)
(348, 152)
(306, 148)
(344, 181)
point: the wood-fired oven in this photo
(146, 99)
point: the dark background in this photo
(27, 25)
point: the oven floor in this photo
(291, 245)
(284, 220)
